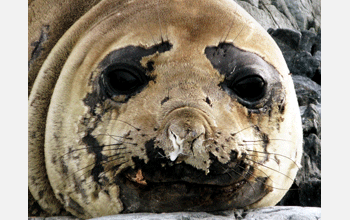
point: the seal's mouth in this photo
(142, 192)
(162, 185)
(234, 173)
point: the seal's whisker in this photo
(92, 147)
(148, 30)
(241, 176)
(229, 29)
(274, 187)
(92, 164)
(137, 129)
(281, 155)
(270, 168)
(233, 134)
(264, 157)
(160, 25)
(252, 174)
(262, 140)
(117, 154)
(239, 33)
(162, 156)
(107, 170)
(111, 135)
(121, 143)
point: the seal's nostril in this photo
(182, 133)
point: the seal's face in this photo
(171, 106)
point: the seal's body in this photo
(136, 106)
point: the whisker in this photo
(117, 154)
(274, 139)
(270, 168)
(148, 30)
(137, 129)
(230, 27)
(256, 178)
(264, 156)
(239, 32)
(120, 143)
(233, 134)
(240, 175)
(281, 155)
(102, 150)
(110, 169)
(160, 26)
(112, 135)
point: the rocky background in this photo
(296, 27)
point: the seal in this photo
(138, 105)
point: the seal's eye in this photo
(123, 80)
(249, 88)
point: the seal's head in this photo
(163, 106)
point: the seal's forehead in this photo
(194, 25)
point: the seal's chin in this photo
(176, 187)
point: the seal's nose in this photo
(183, 132)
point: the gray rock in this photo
(267, 15)
(271, 213)
(254, 3)
(284, 213)
(311, 120)
(301, 50)
(296, 14)
(306, 12)
(307, 90)
(54, 218)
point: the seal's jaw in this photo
(161, 183)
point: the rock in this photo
(301, 50)
(271, 213)
(307, 90)
(286, 14)
(311, 120)
(306, 13)
(283, 213)
(267, 14)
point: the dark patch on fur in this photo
(150, 67)
(133, 55)
(54, 159)
(94, 147)
(41, 193)
(165, 100)
(154, 153)
(265, 142)
(64, 166)
(232, 62)
(78, 188)
(38, 45)
(130, 57)
(207, 100)
(75, 206)
(91, 100)
(281, 106)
